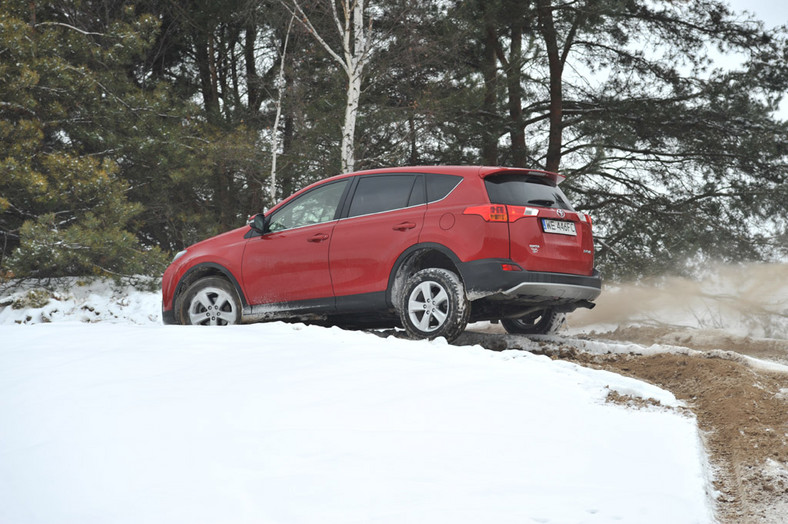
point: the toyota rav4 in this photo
(425, 248)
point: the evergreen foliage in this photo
(64, 206)
(132, 128)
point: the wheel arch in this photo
(416, 258)
(202, 270)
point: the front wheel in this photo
(539, 322)
(433, 304)
(210, 301)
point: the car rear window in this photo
(525, 190)
(438, 186)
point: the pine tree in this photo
(63, 207)
(680, 159)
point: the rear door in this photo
(545, 233)
(383, 218)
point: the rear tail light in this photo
(511, 267)
(490, 212)
(585, 218)
(517, 212)
(500, 212)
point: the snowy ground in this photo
(286, 423)
(108, 416)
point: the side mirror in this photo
(258, 223)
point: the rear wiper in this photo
(545, 203)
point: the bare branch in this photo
(302, 17)
(275, 129)
(338, 25)
(67, 26)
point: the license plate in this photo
(560, 227)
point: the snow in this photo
(82, 301)
(127, 420)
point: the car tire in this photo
(211, 301)
(433, 304)
(540, 322)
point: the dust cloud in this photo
(743, 301)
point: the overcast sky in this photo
(773, 12)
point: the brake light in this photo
(490, 213)
(585, 218)
(500, 212)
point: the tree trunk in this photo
(556, 66)
(413, 157)
(210, 95)
(288, 186)
(349, 127)
(514, 87)
(354, 57)
(280, 86)
(252, 80)
(489, 105)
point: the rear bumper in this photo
(487, 279)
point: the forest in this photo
(130, 129)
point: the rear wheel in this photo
(433, 304)
(210, 301)
(539, 322)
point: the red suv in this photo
(425, 248)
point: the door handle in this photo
(320, 237)
(404, 226)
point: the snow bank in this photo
(74, 299)
(288, 424)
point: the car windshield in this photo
(525, 190)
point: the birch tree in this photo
(280, 87)
(355, 37)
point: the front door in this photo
(289, 263)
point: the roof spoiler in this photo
(489, 171)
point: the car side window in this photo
(315, 207)
(438, 186)
(375, 194)
(419, 193)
